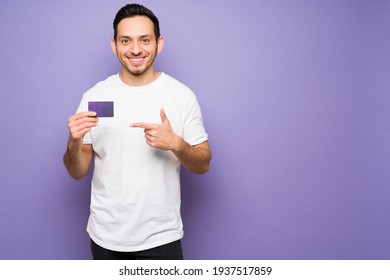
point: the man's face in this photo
(136, 45)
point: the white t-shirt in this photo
(135, 197)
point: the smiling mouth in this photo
(137, 59)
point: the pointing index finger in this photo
(143, 125)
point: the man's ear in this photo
(160, 44)
(113, 46)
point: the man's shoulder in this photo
(177, 85)
(103, 85)
(109, 81)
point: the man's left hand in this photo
(160, 136)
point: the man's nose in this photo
(135, 49)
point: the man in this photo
(155, 127)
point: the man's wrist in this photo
(74, 144)
(180, 146)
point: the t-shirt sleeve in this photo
(194, 131)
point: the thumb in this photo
(163, 115)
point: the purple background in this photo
(295, 98)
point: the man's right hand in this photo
(80, 124)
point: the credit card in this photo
(103, 109)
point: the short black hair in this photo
(132, 10)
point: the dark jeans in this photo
(170, 251)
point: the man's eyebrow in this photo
(129, 37)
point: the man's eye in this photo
(145, 41)
(125, 41)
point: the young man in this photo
(155, 127)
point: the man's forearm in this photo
(194, 158)
(77, 160)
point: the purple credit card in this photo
(103, 109)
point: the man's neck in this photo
(141, 80)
